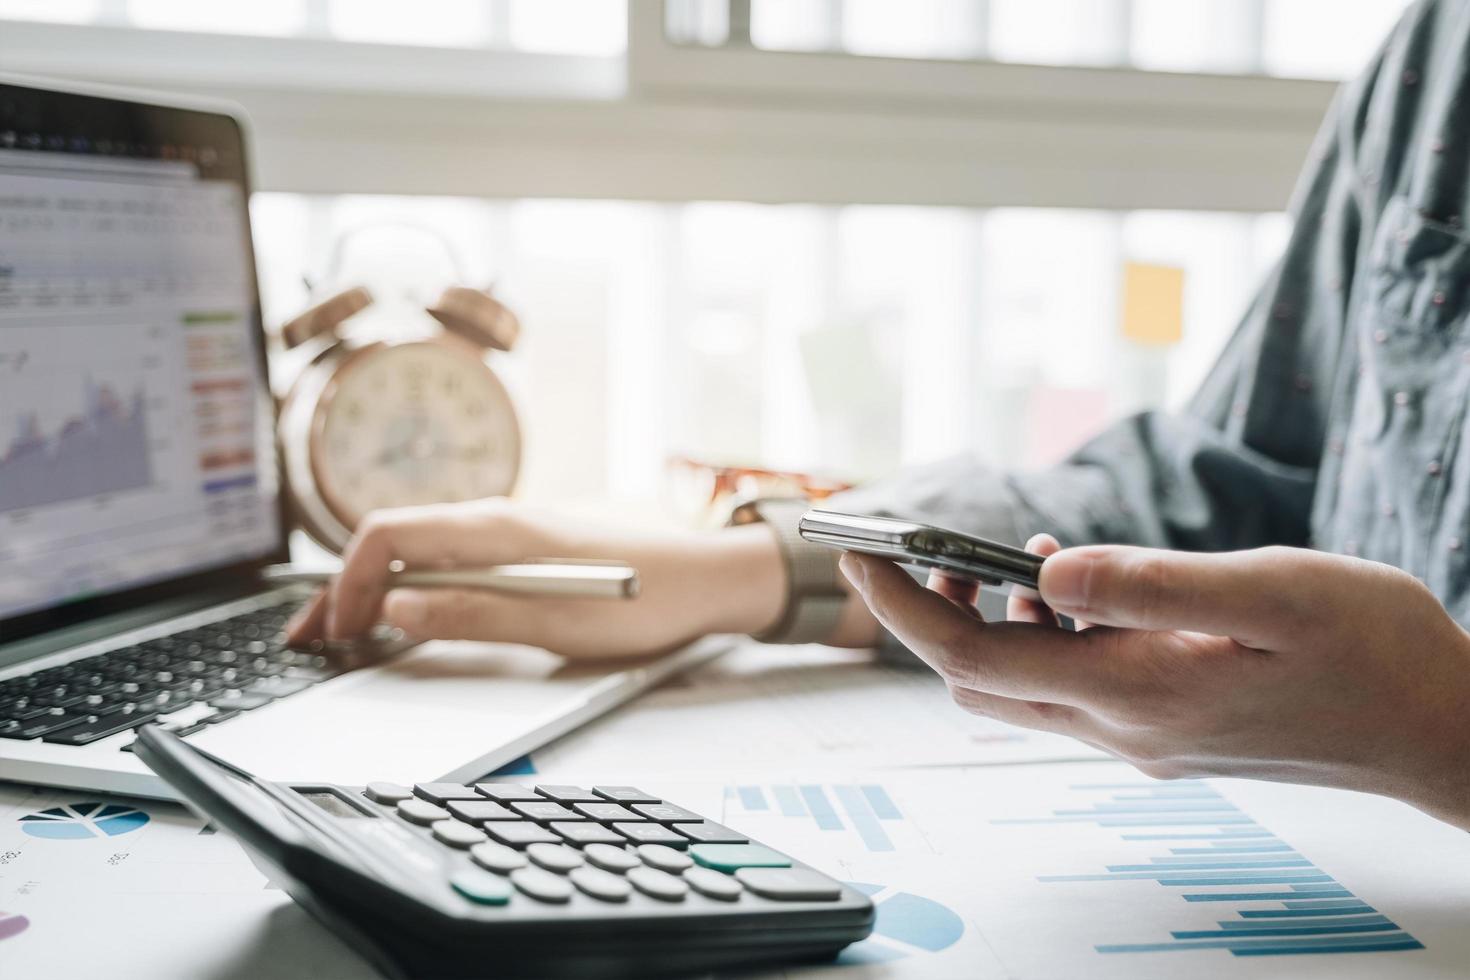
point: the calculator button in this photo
(421, 813)
(520, 834)
(666, 813)
(441, 793)
(610, 858)
(568, 794)
(710, 833)
(600, 884)
(789, 884)
(497, 857)
(478, 811)
(606, 812)
(545, 810)
(542, 885)
(389, 793)
(729, 857)
(480, 886)
(712, 884)
(658, 884)
(651, 833)
(586, 832)
(554, 857)
(663, 857)
(506, 792)
(624, 794)
(456, 834)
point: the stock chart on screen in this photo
(131, 412)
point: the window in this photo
(846, 340)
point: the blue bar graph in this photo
(1223, 851)
(820, 807)
(883, 806)
(867, 810)
(752, 798)
(862, 818)
(789, 801)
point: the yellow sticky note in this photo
(1153, 303)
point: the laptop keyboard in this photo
(229, 667)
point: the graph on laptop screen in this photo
(132, 421)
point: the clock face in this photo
(414, 423)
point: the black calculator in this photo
(502, 880)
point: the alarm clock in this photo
(418, 417)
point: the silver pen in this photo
(568, 578)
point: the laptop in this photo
(140, 498)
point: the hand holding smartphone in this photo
(959, 555)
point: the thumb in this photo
(1252, 596)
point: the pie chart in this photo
(81, 821)
(907, 925)
(12, 924)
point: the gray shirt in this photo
(1334, 418)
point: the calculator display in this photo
(332, 803)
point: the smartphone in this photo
(961, 555)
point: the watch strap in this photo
(815, 594)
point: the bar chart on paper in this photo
(1268, 898)
(858, 817)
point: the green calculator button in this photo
(481, 886)
(732, 857)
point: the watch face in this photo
(414, 423)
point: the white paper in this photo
(969, 851)
(815, 706)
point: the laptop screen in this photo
(135, 422)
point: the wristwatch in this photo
(815, 595)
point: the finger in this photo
(464, 614)
(1046, 716)
(1024, 605)
(309, 622)
(424, 536)
(1018, 660)
(957, 590)
(1255, 597)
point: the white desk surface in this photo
(991, 853)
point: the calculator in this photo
(504, 880)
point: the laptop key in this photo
(53, 721)
(97, 728)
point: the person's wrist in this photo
(745, 575)
(1443, 778)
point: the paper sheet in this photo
(1066, 871)
(819, 707)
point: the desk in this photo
(1048, 862)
